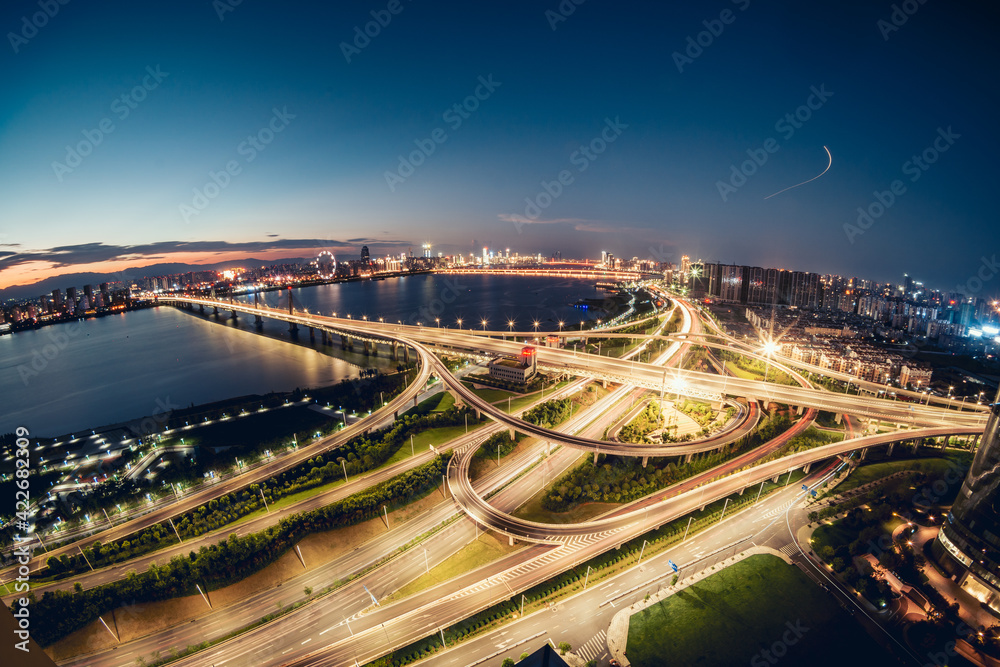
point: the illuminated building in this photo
(968, 545)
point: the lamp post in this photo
(459, 324)
(483, 322)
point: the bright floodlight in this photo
(770, 347)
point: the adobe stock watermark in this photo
(453, 116)
(581, 159)
(987, 271)
(786, 126)
(122, 107)
(779, 649)
(223, 7)
(152, 425)
(30, 25)
(363, 36)
(914, 168)
(60, 336)
(898, 17)
(561, 12)
(713, 29)
(248, 149)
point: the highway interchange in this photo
(313, 634)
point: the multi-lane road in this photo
(313, 635)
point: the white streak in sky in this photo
(810, 180)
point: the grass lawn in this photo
(432, 436)
(533, 511)
(524, 401)
(489, 395)
(730, 617)
(486, 549)
(837, 534)
(439, 402)
(875, 471)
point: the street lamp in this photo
(484, 325)
(438, 320)
(460, 324)
(535, 324)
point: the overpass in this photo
(666, 509)
(687, 383)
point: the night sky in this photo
(536, 86)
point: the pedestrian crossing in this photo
(594, 648)
(781, 509)
(790, 550)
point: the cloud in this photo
(579, 224)
(91, 253)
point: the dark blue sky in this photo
(653, 191)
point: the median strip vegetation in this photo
(361, 454)
(621, 479)
(603, 566)
(61, 612)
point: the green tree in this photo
(564, 647)
(507, 662)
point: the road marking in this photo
(306, 642)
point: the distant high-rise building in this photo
(57, 300)
(685, 264)
(427, 250)
(604, 258)
(365, 256)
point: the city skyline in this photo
(213, 148)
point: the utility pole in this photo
(264, 499)
(690, 519)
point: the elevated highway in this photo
(687, 383)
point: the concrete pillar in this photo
(604, 384)
(688, 457)
(215, 310)
(742, 490)
(293, 327)
(367, 347)
(406, 354)
(393, 351)
(798, 410)
(479, 413)
(645, 460)
(510, 432)
(864, 453)
(892, 445)
(775, 480)
(343, 342)
(839, 418)
(806, 469)
(312, 333)
(233, 315)
(510, 540)
(201, 307)
(595, 457)
(258, 320)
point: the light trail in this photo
(811, 179)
